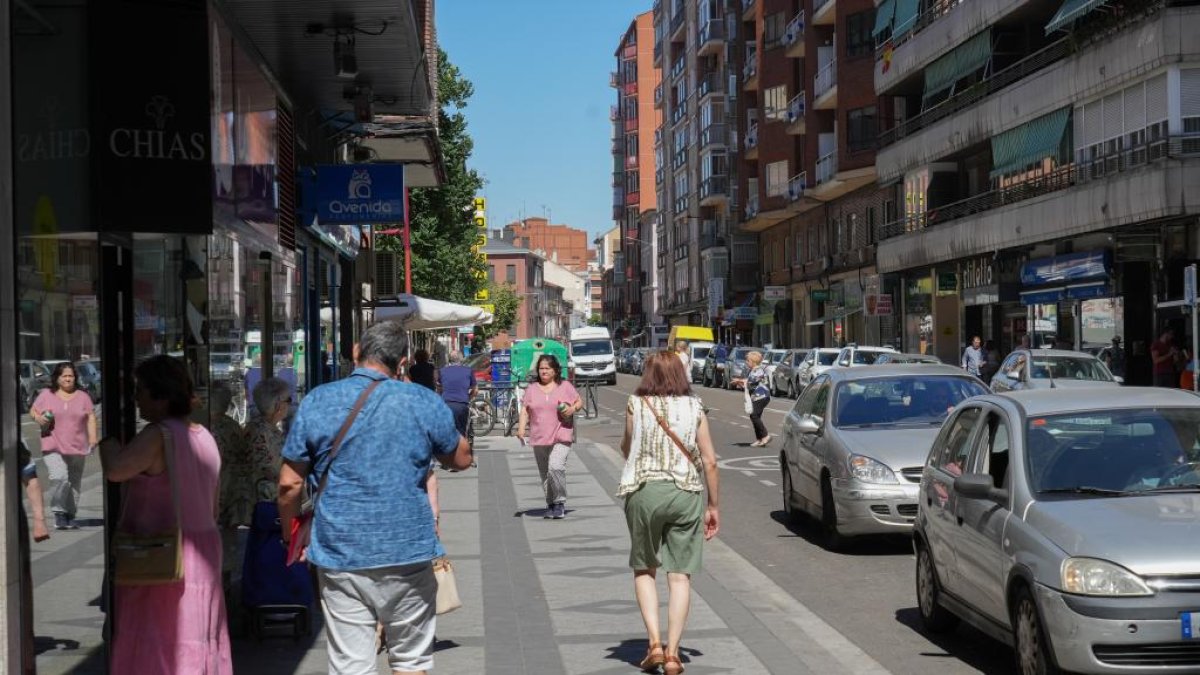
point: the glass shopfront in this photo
(918, 314)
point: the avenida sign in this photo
(360, 193)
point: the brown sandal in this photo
(672, 665)
(654, 658)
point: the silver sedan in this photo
(856, 439)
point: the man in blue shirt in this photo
(373, 539)
(458, 388)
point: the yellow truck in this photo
(690, 334)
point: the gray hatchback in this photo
(1069, 527)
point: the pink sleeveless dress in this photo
(179, 627)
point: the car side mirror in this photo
(808, 425)
(1015, 374)
(979, 486)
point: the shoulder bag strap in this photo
(169, 456)
(337, 440)
(671, 434)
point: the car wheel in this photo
(792, 513)
(934, 617)
(1031, 647)
(834, 540)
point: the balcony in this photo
(750, 69)
(678, 113)
(793, 36)
(678, 20)
(752, 207)
(751, 150)
(618, 178)
(748, 9)
(631, 124)
(657, 8)
(711, 37)
(681, 204)
(795, 115)
(714, 190)
(658, 96)
(710, 238)
(796, 186)
(825, 87)
(678, 67)
(614, 79)
(824, 12)
(679, 159)
(714, 134)
(614, 113)
(711, 83)
(658, 176)
(658, 53)
(827, 167)
(633, 198)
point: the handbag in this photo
(747, 404)
(671, 434)
(301, 532)
(447, 588)
(151, 559)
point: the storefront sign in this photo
(987, 280)
(764, 320)
(745, 313)
(360, 193)
(947, 283)
(1066, 268)
(774, 293)
(879, 304)
(483, 295)
(819, 295)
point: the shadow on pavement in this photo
(634, 650)
(533, 513)
(963, 643)
(808, 529)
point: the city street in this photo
(865, 593)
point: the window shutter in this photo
(1113, 127)
(285, 177)
(1135, 108)
(1093, 120)
(1189, 92)
(1156, 99)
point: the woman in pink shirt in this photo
(68, 424)
(548, 408)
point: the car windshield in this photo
(87, 369)
(1069, 368)
(591, 347)
(827, 358)
(478, 361)
(918, 400)
(1117, 452)
(700, 352)
(775, 357)
(740, 354)
(865, 357)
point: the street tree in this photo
(507, 304)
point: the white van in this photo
(592, 354)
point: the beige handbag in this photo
(447, 589)
(151, 559)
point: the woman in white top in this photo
(666, 442)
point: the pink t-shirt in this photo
(545, 426)
(69, 436)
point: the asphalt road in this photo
(866, 592)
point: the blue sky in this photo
(539, 116)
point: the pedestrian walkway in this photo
(540, 596)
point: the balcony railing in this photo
(614, 79)
(681, 204)
(713, 134)
(825, 79)
(1018, 71)
(657, 50)
(746, 5)
(818, 4)
(657, 7)
(658, 95)
(709, 238)
(678, 112)
(932, 12)
(795, 109)
(827, 167)
(678, 67)
(714, 185)
(618, 197)
(797, 185)
(751, 207)
(711, 83)
(614, 113)
(658, 176)
(678, 160)
(678, 15)
(750, 67)
(795, 30)
(711, 30)
(1173, 147)
(752, 136)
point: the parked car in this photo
(853, 356)
(624, 357)
(35, 377)
(637, 362)
(855, 440)
(480, 363)
(894, 358)
(88, 374)
(1068, 526)
(713, 374)
(786, 378)
(771, 358)
(698, 351)
(735, 366)
(817, 361)
(1051, 369)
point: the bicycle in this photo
(512, 408)
(590, 407)
(483, 414)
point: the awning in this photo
(833, 317)
(906, 16)
(1091, 290)
(1043, 296)
(417, 313)
(885, 15)
(1071, 10)
(1033, 141)
(958, 63)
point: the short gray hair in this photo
(384, 343)
(219, 398)
(456, 358)
(269, 393)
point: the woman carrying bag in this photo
(669, 463)
(758, 396)
(548, 409)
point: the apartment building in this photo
(524, 271)
(1048, 159)
(561, 243)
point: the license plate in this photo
(1190, 624)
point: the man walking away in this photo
(458, 388)
(973, 357)
(373, 539)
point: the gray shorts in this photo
(402, 599)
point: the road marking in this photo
(748, 473)
(767, 482)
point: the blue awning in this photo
(1031, 142)
(1043, 296)
(1071, 268)
(1091, 290)
(958, 63)
(885, 15)
(1071, 10)
(906, 16)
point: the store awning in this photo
(1043, 296)
(417, 313)
(958, 63)
(906, 16)
(1071, 10)
(1033, 141)
(833, 317)
(1090, 290)
(885, 15)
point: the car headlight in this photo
(870, 471)
(1088, 576)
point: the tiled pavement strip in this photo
(540, 596)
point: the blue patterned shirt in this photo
(374, 511)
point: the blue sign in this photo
(360, 193)
(1066, 268)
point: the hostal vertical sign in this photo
(483, 297)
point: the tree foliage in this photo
(507, 303)
(442, 219)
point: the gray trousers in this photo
(552, 465)
(65, 473)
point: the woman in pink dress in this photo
(177, 627)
